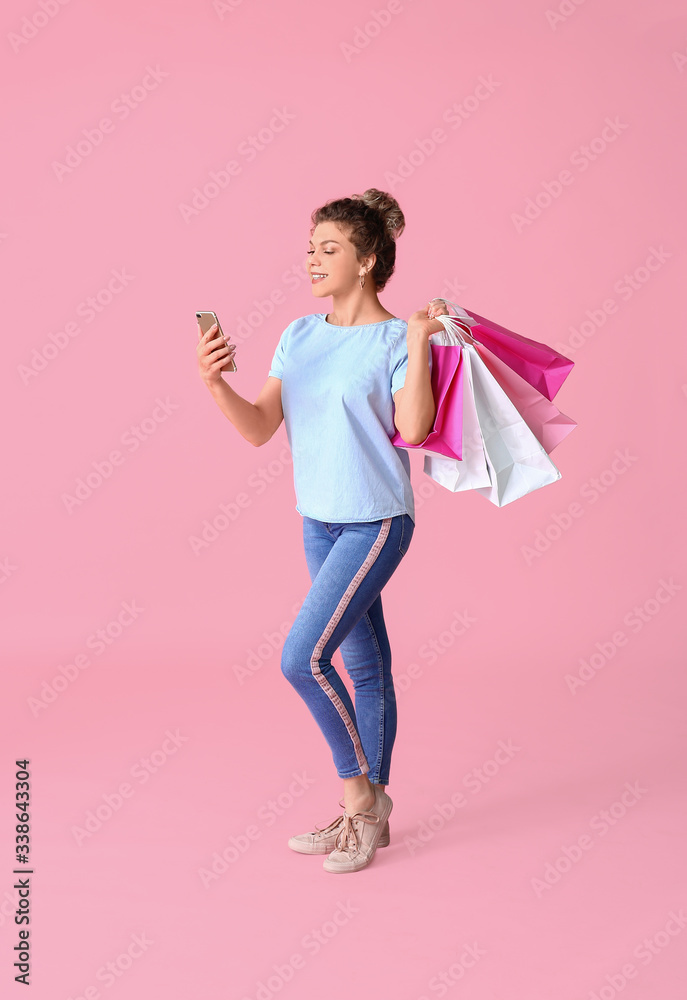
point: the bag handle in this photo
(456, 331)
(465, 316)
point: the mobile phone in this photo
(206, 318)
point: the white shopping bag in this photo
(472, 471)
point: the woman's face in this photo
(331, 254)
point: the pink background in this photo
(199, 656)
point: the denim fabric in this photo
(349, 564)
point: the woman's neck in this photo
(358, 311)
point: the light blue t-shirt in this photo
(337, 397)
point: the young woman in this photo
(343, 382)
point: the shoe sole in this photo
(300, 848)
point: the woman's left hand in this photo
(423, 322)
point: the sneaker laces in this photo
(348, 838)
(328, 829)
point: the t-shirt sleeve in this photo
(277, 366)
(399, 362)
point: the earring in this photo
(362, 280)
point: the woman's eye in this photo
(308, 252)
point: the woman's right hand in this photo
(213, 354)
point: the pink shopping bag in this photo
(540, 365)
(446, 435)
(543, 417)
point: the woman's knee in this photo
(295, 660)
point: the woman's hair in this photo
(372, 221)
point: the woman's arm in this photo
(415, 406)
(257, 421)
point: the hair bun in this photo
(387, 206)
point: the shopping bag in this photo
(447, 389)
(540, 365)
(516, 461)
(543, 417)
(472, 470)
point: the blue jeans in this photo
(349, 564)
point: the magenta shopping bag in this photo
(446, 435)
(540, 365)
